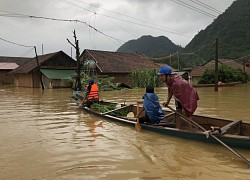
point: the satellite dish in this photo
(90, 64)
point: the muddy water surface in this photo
(45, 136)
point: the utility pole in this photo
(178, 61)
(216, 66)
(71, 52)
(170, 60)
(38, 65)
(244, 65)
(78, 84)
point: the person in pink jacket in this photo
(185, 95)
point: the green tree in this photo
(226, 74)
(146, 77)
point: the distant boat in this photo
(220, 84)
(234, 133)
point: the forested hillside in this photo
(232, 28)
(150, 46)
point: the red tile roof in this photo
(8, 66)
(199, 70)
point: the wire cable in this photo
(15, 43)
(194, 8)
(165, 57)
(123, 15)
(203, 46)
(127, 21)
(64, 20)
(28, 52)
(241, 57)
(207, 6)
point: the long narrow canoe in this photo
(234, 133)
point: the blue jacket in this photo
(152, 107)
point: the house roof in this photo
(199, 70)
(119, 62)
(32, 64)
(8, 66)
(65, 74)
(162, 64)
(18, 60)
(180, 73)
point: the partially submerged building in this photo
(55, 70)
(115, 64)
(7, 64)
(198, 71)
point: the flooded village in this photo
(150, 109)
(47, 133)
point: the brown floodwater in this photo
(45, 136)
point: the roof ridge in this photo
(117, 52)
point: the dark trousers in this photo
(144, 119)
(178, 105)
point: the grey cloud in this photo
(163, 14)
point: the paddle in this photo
(137, 124)
(214, 137)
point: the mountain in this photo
(232, 28)
(150, 46)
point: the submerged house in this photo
(56, 70)
(197, 72)
(247, 64)
(115, 64)
(5, 68)
(7, 64)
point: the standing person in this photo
(91, 93)
(151, 105)
(185, 95)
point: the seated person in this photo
(91, 94)
(151, 105)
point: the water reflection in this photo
(45, 136)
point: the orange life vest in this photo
(94, 92)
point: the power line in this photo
(194, 8)
(121, 15)
(241, 57)
(11, 14)
(15, 43)
(203, 46)
(18, 44)
(189, 53)
(79, 21)
(62, 20)
(127, 21)
(207, 6)
(165, 57)
(110, 37)
(28, 52)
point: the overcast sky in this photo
(116, 22)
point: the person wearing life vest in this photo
(91, 93)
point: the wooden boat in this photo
(219, 85)
(235, 133)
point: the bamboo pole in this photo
(211, 135)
